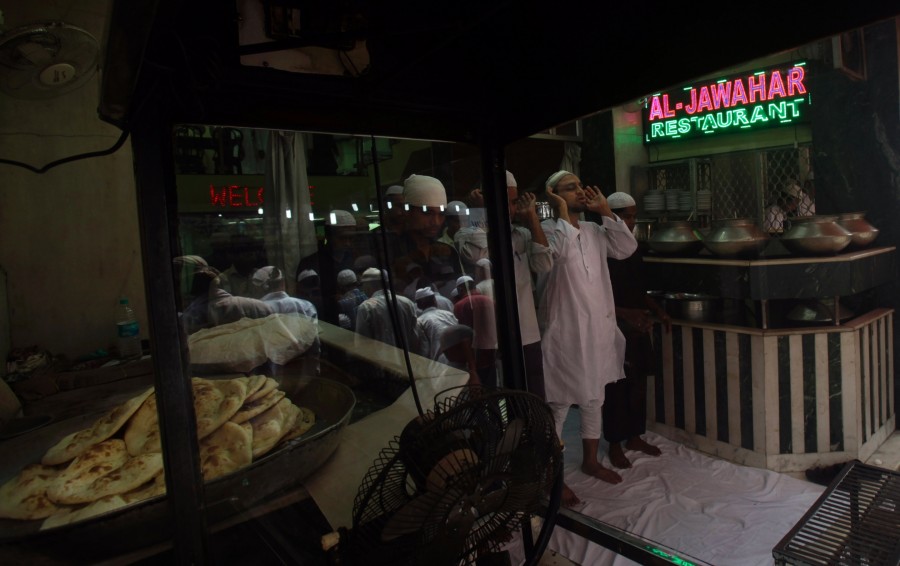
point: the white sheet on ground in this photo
(719, 512)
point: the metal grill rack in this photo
(856, 521)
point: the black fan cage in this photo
(457, 483)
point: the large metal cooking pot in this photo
(143, 524)
(862, 233)
(675, 237)
(736, 237)
(816, 235)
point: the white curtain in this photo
(290, 234)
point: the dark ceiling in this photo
(462, 70)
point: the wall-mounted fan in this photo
(45, 60)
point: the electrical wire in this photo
(41, 170)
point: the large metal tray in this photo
(146, 523)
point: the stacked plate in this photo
(654, 201)
(704, 200)
(673, 199)
(686, 202)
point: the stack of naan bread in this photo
(118, 460)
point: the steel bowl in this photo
(816, 235)
(675, 237)
(861, 231)
(736, 237)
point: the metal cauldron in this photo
(862, 233)
(676, 237)
(816, 235)
(736, 237)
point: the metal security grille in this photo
(741, 184)
(735, 181)
(855, 521)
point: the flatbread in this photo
(267, 387)
(78, 442)
(227, 449)
(305, 421)
(136, 471)
(66, 516)
(254, 383)
(153, 488)
(25, 496)
(250, 410)
(71, 484)
(142, 433)
(215, 402)
(269, 427)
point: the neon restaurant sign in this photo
(778, 96)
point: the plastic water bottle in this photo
(128, 331)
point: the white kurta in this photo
(529, 256)
(582, 346)
(432, 323)
(373, 320)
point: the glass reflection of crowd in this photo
(428, 252)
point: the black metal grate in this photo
(856, 521)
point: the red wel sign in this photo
(236, 196)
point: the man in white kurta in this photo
(432, 322)
(583, 347)
(531, 256)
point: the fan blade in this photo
(410, 518)
(507, 445)
(33, 52)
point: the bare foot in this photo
(617, 456)
(598, 471)
(569, 499)
(639, 444)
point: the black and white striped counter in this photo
(785, 400)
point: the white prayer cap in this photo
(394, 190)
(620, 200)
(371, 274)
(340, 218)
(346, 277)
(265, 275)
(422, 190)
(424, 292)
(484, 262)
(510, 180)
(457, 208)
(453, 335)
(463, 280)
(557, 177)
(306, 274)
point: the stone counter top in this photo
(778, 278)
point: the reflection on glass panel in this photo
(334, 257)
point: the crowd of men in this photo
(422, 280)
